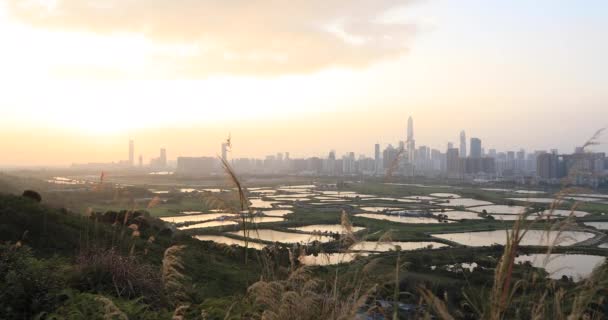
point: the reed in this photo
(173, 276)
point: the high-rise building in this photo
(390, 157)
(463, 144)
(225, 151)
(377, 158)
(547, 166)
(410, 129)
(475, 148)
(450, 145)
(163, 157)
(348, 163)
(131, 153)
(161, 161)
(141, 161)
(452, 161)
(331, 164)
(410, 143)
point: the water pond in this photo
(230, 241)
(458, 215)
(577, 266)
(354, 195)
(533, 200)
(63, 180)
(191, 212)
(159, 191)
(420, 198)
(592, 195)
(277, 213)
(532, 237)
(466, 202)
(214, 190)
(565, 213)
(582, 199)
(496, 189)
(374, 246)
(400, 219)
(331, 228)
(529, 192)
(337, 193)
(267, 219)
(291, 199)
(392, 200)
(513, 217)
(500, 209)
(598, 225)
(297, 195)
(198, 217)
(210, 224)
(379, 209)
(325, 198)
(444, 195)
(285, 237)
(259, 203)
(260, 191)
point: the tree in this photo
(31, 194)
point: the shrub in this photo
(123, 276)
(28, 285)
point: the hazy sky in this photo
(81, 77)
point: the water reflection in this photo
(577, 266)
(532, 238)
(322, 228)
(285, 237)
(388, 246)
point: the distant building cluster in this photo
(466, 162)
(159, 163)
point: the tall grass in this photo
(173, 277)
(508, 297)
(243, 210)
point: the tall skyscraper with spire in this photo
(411, 143)
(463, 144)
(410, 129)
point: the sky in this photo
(80, 78)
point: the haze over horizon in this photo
(306, 77)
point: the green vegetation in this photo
(116, 260)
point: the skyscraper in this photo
(410, 143)
(463, 144)
(131, 153)
(163, 157)
(547, 166)
(377, 158)
(452, 161)
(475, 148)
(225, 151)
(410, 129)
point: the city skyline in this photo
(115, 152)
(411, 153)
(513, 87)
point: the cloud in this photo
(202, 37)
